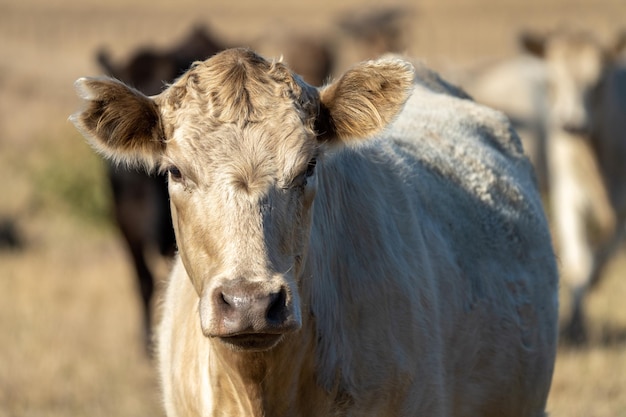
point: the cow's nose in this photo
(259, 306)
(248, 308)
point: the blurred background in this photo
(72, 339)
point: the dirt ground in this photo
(69, 320)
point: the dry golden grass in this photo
(69, 318)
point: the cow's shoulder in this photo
(471, 155)
(449, 127)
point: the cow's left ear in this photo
(120, 122)
(364, 100)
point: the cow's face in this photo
(241, 139)
(241, 157)
(575, 64)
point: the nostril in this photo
(223, 301)
(277, 307)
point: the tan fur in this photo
(354, 114)
(410, 275)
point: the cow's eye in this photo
(301, 180)
(310, 168)
(175, 174)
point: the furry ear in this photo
(533, 43)
(364, 100)
(119, 122)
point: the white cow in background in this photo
(566, 97)
(586, 153)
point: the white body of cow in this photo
(432, 282)
(326, 273)
(518, 87)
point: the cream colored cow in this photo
(586, 150)
(376, 247)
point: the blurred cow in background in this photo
(312, 55)
(566, 97)
(378, 31)
(586, 153)
(11, 237)
(356, 36)
(149, 69)
(363, 35)
(140, 200)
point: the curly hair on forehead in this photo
(238, 85)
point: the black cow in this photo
(140, 200)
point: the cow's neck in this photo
(280, 382)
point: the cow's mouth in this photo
(252, 342)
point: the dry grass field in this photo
(69, 322)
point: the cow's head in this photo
(576, 63)
(241, 138)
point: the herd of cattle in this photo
(372, 246)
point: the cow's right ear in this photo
(364, 100)
(533, 43)
(120, 123)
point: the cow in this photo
(141, 205)
(369, 33)
(140, 201)
(11, 237)
(376, 246)
(354, 36)
(311, 55)
(149, 69)
(586, 147)
(378, 31)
